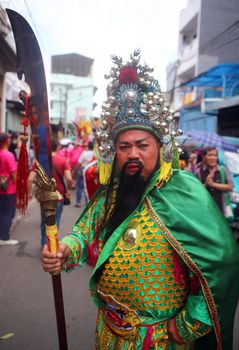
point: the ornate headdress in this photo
(135, 101)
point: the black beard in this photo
(129, 194)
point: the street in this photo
(26, 298)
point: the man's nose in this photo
(133, 153)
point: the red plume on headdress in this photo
(128, 75)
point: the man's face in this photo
(140, 149)
(210, 158)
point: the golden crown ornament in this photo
(135, 101)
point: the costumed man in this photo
(166, 265)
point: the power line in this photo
(20, 7)
(232, 27)
(218, 38)
(225, 44)
(211, 49)
(209, 44)
(35, 26)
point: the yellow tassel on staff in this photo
(104, 172)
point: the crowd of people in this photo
(69, 162)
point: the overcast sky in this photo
(100, 28)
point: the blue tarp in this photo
(217, 76)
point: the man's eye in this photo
(123, 148)
(144, 146)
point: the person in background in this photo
(158, 253)
(209, 173)
(64, 148)
(192, 162)
(31, 156)
(183, 159)
(14, 144)
(8, 174)
(74, 155)
(62, 174)
(86, 157)
(91, 178)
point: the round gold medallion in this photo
(131, 235)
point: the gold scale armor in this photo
(138, 282)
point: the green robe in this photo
(191, 223)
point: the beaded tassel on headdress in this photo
(135, 101)
(22, 167)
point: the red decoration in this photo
(22, 168)
(177, 270)
(92, 179)
(194, 284)
(128, 75)
(148, 338)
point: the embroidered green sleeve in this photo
(82, 236)
(77, 251)
(194, 320)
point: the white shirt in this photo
(85, 158)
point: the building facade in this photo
(208, 35)
(8, 81)
(72, 90)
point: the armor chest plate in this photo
(140, 272)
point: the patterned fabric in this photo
(206, 247)
(189, 328)
(141, 276)
(138, 277)
(83, 235)
(105, 340)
